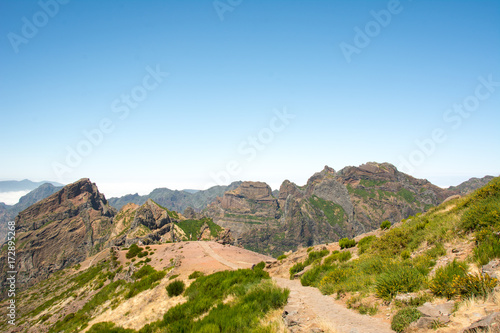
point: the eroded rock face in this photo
(332, 205)
(60, 231)
(151, 215)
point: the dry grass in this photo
(327, 327)
(274, 321)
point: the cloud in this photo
(11, 198)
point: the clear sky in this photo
(186, 94)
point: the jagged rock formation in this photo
(332, 205)
(248, 207)
(60, 231)
(145, 224)
(380, 192)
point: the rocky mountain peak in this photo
(60, 231)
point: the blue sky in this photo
(188, 94)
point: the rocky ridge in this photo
(60, 231)
(332, 205)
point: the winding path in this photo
(310, 305)
(307, 305)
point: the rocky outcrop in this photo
(248, 207)
(60, 231)
(332, 205)
(151, 216)
(490, 323)
(434, 313)
(152, 223)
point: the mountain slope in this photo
(8, 213)
(332, 205)
(471, 185)
(448, 257)
(60, 231)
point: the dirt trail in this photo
(208, 250)
(312, 308)
(309, 307)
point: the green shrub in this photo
(133, 251)
(398, 279)
(254, 295)
(108, 327)
(405, 254)
(442, 282)
(144, 271)
(346, 243)
(474, 285)
(195, 275)
(175, 288)
(281, 257)
(298, 267)
(364, 243)
(173, 277)
(385, 225)
(261, 265)
(393, 242)
(146, 278)
(315, 255)
(337, 256)
(488, 247)
(404, 318)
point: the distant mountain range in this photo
(174, 199)
(360, 198)
(22, 185)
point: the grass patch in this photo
(404, 318)
(334, 213)
(193, 227)
(253, 296)
(195, 275)
(346, 243)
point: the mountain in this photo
(471, 185)
(60, 231)
(332, 205)
(176, 200)
(8, 213)
(22, 185)
(76, 222)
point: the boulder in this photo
(492, 269)
(490, 323)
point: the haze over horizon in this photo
(141, 95)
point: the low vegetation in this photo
(175, 288)
(390, 264)
(192, 228)
(252, 293)
(385, 225)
